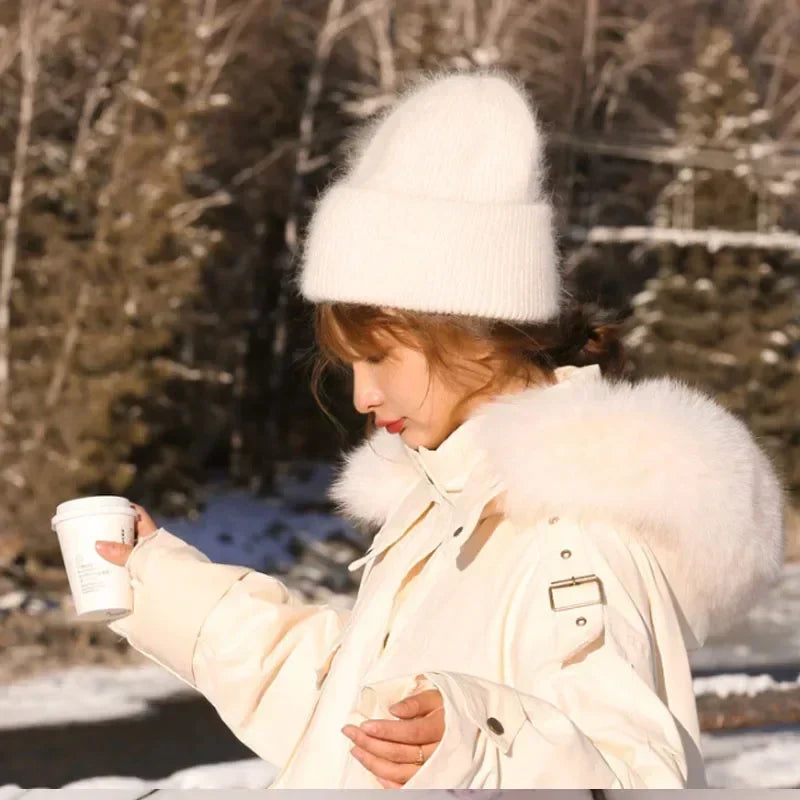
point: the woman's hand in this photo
(389, 749)
(116, 552)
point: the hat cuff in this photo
(382, 248)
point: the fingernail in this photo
(369, 727)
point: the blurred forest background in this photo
(158, 160)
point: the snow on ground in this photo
(86, 694)
(236, 527)
(739, 683)
(761, 759)
(251, 773)
(768, 635)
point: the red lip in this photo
(393, 426)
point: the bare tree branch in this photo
(223, 55)
(29, 44)
(379, 24)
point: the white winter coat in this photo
(582, 535)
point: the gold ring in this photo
(420, 757)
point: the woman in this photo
(551, 540)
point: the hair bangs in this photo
(347, 332)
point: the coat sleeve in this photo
(252, 647)
(583, 712)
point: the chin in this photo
(409, 439)
(416, 442)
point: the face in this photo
(394, 386)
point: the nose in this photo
(366, 396)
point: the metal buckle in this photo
(573, 581)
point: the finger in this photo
(144, 522)
(420, 730)
(418, 704)
(380, 768)
(389, 751)
(115, 552)
(142, 513)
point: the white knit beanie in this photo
(441, 209)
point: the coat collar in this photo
(661, 459)
(448, 466)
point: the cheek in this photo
(408, 381)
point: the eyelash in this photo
(375, 359)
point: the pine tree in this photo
(727, 321)
(720, 110)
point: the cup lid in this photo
(98, 504)
(88, 504)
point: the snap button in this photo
(566, 553)
(494, 725)
(552, 520)
(458, 530)
(581, 621)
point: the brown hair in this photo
(581, 335)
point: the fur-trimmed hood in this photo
(661, 458)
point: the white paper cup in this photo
(100, 590)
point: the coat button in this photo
(552, 520)
(580, 622)
(458, 530)
(494, 725)
(566, 553)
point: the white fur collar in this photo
(659, 457)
